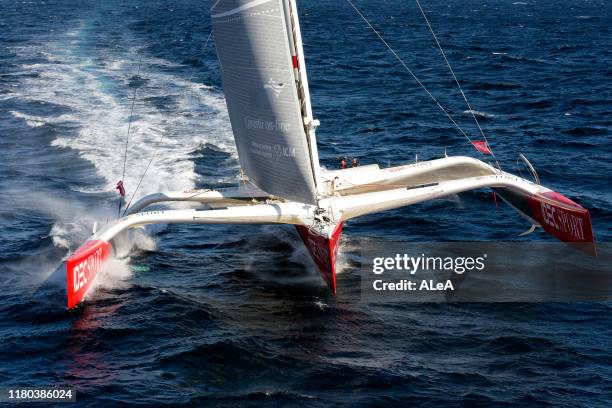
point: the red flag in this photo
(120, 188)
(482, 146)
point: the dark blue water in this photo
(226, 315)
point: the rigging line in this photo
(127, 139)
(401, 61)
(243, 180)
(203, 49)
(161, 139)
(251, 197)
(452, 71)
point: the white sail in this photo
(264, 91)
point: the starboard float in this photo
(266, 89)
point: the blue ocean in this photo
(239, 315)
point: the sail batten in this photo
(257, 67)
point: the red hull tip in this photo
(561, 217)
(82, 267)
(324, 251)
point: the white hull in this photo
(352, 193)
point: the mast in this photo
(301, 81)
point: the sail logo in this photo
(276, 151)
(260, 124)
(284, 151)
(277, 88)
(86, 270)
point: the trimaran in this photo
(263, 71)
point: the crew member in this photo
(343, 164)
(355, 162)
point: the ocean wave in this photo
(511, 57)
(98, 98)
(30, 120)
(479, 113)
(38, 121)
(496, 85)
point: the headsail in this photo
(254, 41)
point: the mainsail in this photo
(268, 108)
